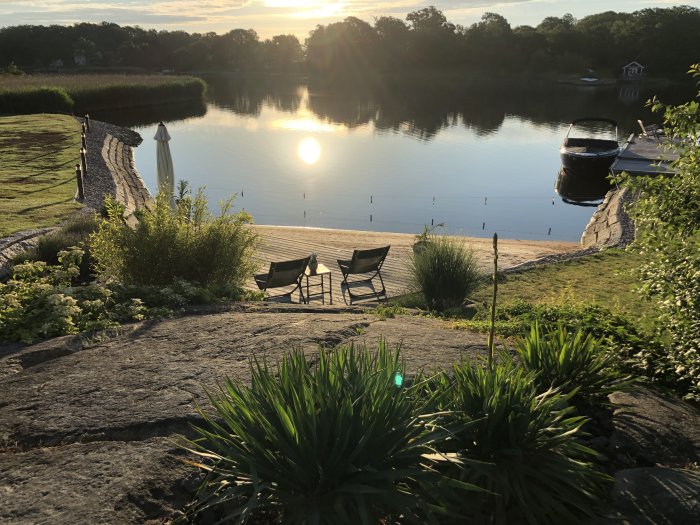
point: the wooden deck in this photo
(645, 156)
(283, 243)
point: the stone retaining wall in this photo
(610, 226)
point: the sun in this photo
(309, 151)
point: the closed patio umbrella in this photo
(166, 174)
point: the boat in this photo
(589, 157)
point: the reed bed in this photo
(68, 93)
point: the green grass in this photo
(604, 278)
(37, 171)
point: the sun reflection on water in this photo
(309, 151)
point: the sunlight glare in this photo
(309, 151)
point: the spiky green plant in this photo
(445, 271)
(338, 441)
(571, 361)
(521, 446)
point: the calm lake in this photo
(480, 159)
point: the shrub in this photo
(444, 271)
(667, 221)
(338, 441)
(39, 302)
(168, 244)
(571, 361)
(76, 232)
(519, 444)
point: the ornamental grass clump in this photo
(340, 440)
(571, 361)
(444, 271)
(517, 443)
(169, 244)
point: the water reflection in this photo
(145, 116)
(583, 191)
(309, 151)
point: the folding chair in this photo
(364, 262)
(284, 273)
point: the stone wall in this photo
(610, 226)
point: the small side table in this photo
(321, 272)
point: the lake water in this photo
(480, 159)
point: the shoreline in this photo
(112, 171)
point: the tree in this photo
(667, 220)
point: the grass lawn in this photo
(37, 171)
(604, 278)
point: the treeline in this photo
(665, 41)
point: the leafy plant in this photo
(185, 243)
(76, 232)
(336, 441)
(573, 362)
(444, 272)
(667, 221)
(521, 446)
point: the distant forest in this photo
(665, 41)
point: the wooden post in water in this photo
(83, 161)
(79, 180)
(87, 122)
(493, 301)
(83, 127)
(83, 141)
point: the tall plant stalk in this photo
(493, 301)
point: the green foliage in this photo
(38, 100)
(517, 443)
(40, 302)
(75, 232)
(667, 219)
(336, 441)
(384, 312)
(571, 362)
(515, 319)
(445, 271)
(166, 245)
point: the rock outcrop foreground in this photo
(88, 426)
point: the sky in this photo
(298, 17)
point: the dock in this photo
(279, 243)
(645, 155)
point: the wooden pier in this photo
(281, 243)
(645, 155)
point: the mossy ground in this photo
(37, 171)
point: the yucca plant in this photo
(445, 271)
(521, 446)
(571, 361)
(336, 441)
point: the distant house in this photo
(633, 71)
(79, 59)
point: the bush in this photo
(444, 272)
(168, 244)
(76, 232)
(39, 302)
(519, 444)
(667, 221)
(571, 361)
(338, 441)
